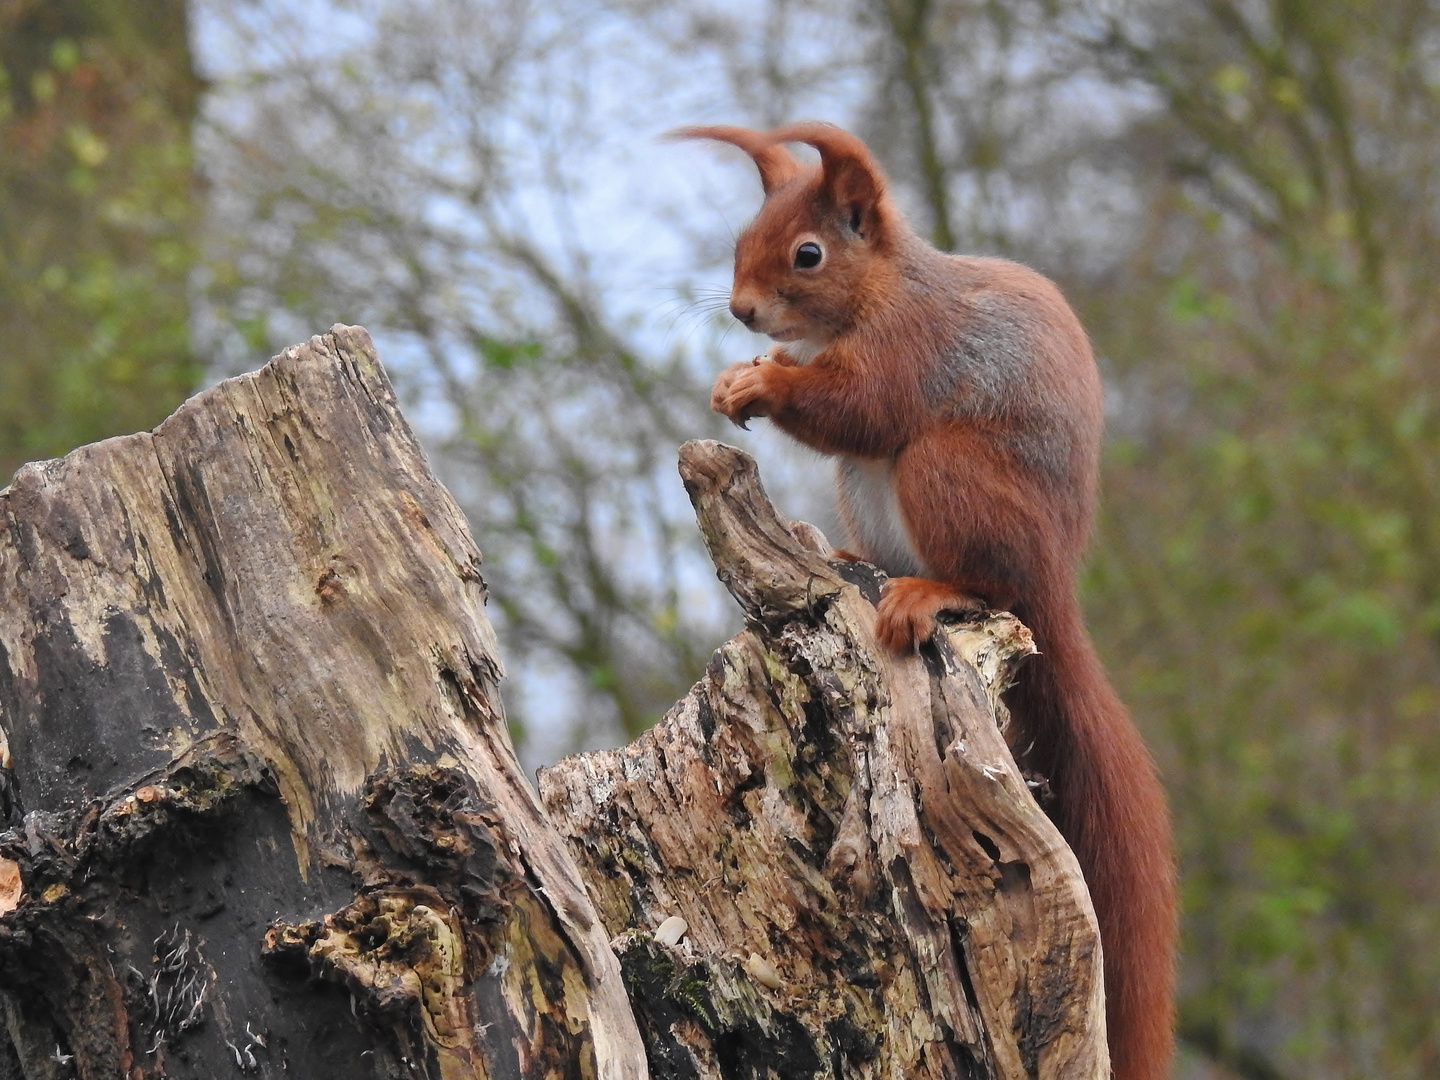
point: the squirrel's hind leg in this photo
(908, 607)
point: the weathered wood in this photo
(864, 885)
(264, 816)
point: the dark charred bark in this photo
(263, 814)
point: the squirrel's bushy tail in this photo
(1110, 807)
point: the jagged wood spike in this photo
(867, 887)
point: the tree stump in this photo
(263, 816)
(824, 861)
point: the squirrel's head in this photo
(824, 240)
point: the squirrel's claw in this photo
(739, 394)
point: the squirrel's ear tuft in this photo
(850, 176)
(776, 164)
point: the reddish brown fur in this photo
(969, 387)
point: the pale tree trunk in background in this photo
(264, 817)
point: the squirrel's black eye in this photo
(808, 256)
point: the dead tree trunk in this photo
(264, 818)
(824, 862)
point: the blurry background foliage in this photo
(1242, 197)
(98, 220)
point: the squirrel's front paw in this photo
(743, 391)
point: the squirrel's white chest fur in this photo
(799, 352)
(871, 510)
(868, 503)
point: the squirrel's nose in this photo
(745, 314)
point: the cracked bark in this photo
(262, 816)
(864, 884)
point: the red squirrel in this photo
(962, 402)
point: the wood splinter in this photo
(868, 887)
